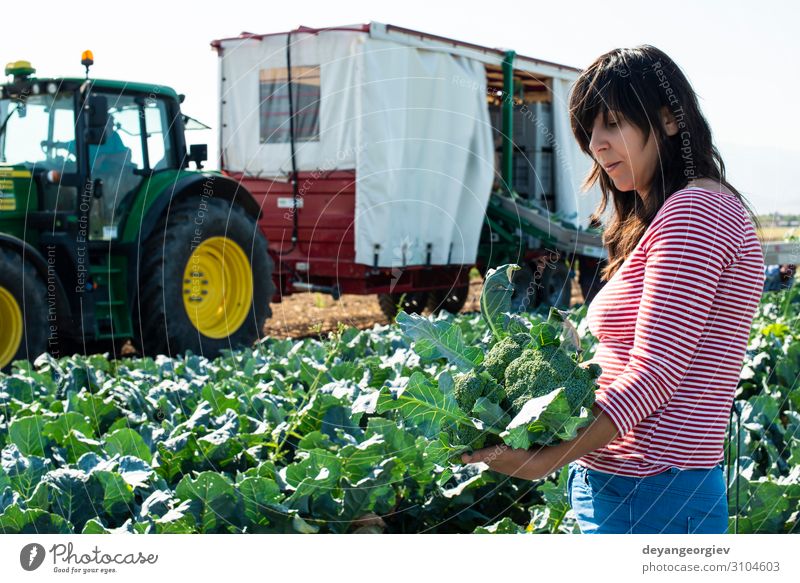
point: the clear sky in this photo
(741, 57)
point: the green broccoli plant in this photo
(528, 388)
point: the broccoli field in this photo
(347, 434)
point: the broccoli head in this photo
(471, 386)
(502, 353)
(536, 373)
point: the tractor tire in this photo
(205, 281)
(555, 286)
(449, 300)
(24, 327)
(413, 303)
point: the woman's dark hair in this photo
(636, 83)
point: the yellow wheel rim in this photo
(217, 287)
(10, 326)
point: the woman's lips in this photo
(612, 167)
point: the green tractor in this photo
(106, 235)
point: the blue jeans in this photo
(673, 502)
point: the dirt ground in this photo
(298, 315)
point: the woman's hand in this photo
(529, 464)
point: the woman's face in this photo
(620, 148)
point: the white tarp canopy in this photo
(409, 116)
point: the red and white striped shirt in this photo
(673, 324)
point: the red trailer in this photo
(373, 151)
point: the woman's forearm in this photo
(597, 434)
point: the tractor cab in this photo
(88, 144)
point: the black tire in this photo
(162, 323)
(555, 286)
(449, 300)
(524, 296)
(20, 282)
(413, 303)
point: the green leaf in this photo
(439, 339)
(372, 493)
(544, 334)
(491, 414)
(316, 475)
(94, 526)
(77, 444)
(504, 526)
(556, 496)
(422, 403)
(219, 401)
(118, 498)
(70, 493)
(135, 471)
(15, 520)
(26, 433)
(101, 411)
(22, 389)
(179, 520)
(259, 496)
(767, 506)
(24, 472)
(127, 442)
(219, 506)
(545, 420)
(59, 428)
(496, 301)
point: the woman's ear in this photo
(668, 121)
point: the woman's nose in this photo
(597, 143)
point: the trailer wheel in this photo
(205, 282)
(413, 303)
(449, 300)
(555, 286)
(23, 310)
(524, 296)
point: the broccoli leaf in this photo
(491, 414)
(496, 302)
(439, 340)
(544, 334)
(423, 403)
(545, 420)
(569, 334)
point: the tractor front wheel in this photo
(23, 310)
(205, 282)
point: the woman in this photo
(683, 280)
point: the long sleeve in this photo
(692, 239)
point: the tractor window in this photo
(118, 163)
(124, 135)
(41, 133)
(160, 150)
(274, 100)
